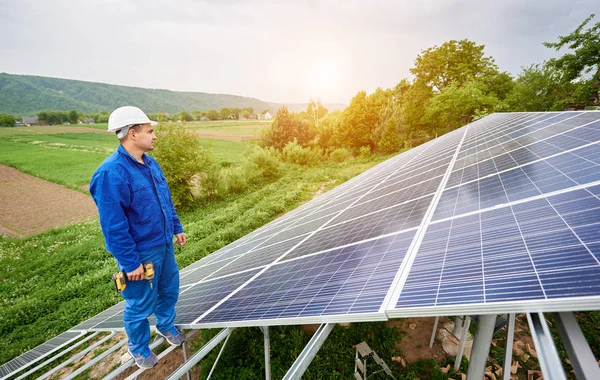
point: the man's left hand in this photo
(180, 239)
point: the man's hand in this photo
(137, 274)
(181, 239)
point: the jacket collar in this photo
(145, 158)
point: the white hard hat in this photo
(126, 116)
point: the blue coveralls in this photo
(138, 222)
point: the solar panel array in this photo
(502, 215)
(498, 215)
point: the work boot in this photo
(174, 339)
(143, 362)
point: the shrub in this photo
(7, 120)
(262, 163)
(235, 180)
(181, 159)
(340, 155)
(212, 183)
(296, 154)
(365, 151)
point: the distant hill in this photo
(26, 95)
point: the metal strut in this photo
(546, 350)
(309, 352)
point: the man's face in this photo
(144, 137)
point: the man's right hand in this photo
(137, 274)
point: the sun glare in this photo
(324, 76)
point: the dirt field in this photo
(29, 205)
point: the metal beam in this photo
(309, 352)
(267, 353)
(546, 350)
(435, 324)
(481, 346)
(581, 356)
(96, 359)
(129, 362)
(458, 322)
(200, 354)
(508, 347)
(463, 340)
(218, 357)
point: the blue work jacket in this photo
(135, 206)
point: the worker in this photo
(139, 224)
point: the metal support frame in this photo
(76, 356)
(159, 356)
(56, 357)
(546, 350)
(508, 347)
(185, 358)
(458, 323)
(265, 330)
(217, 359)
(581, 356)
(309, 352)
(185, 367)
(129, 362)
(97, 359)
(435, 324)
(481, 346)
(463, 340)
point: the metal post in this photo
(458, 322)
(267, 353)
(96, 359)
(185, 358)
(581, 356)
(463, 340)
(217, 359)
(508, 348)
(481, 346)
(309, 352)
(200, 354)
(546, 350)
(434, 331)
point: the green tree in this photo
(212, 115)
(456, 106)
(454, 62)
(286, 127)
(538, 88)
(197, 115)
(390, 141)
(7, 120)
(411, 110)
(185, 116)
(360, 119)
(326, 129)
(226, 113)
(585, 57)
(73, 117)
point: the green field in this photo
(70, 159)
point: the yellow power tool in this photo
(120, 278)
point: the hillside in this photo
(26, 95)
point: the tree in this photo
(73, 117)
(453, 62)
(7, 120)
(412, 108)
(538, 88)
(286, 127)
(390, 141)
(212, 115)
(226, 113)
(197, 115)
(326, 129)
(456, 106)
(584, 59)
(185, 116)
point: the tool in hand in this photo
(120, 278)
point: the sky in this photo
(277, 51)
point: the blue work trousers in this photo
(141, 300)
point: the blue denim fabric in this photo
(135, 206)
(141, 300)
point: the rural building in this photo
(89, 121)
(31, 120)
(265, 116)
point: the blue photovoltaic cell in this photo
(344, 281)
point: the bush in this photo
(212, 183)
(235, 180)
(296, 154)
(365, 151)
(181, 160)
(340, 155)
(7, 120)
(262, 163)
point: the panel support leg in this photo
(581, 356)
(463, 340)
(267, 352)
(435, 324)
(309, 352)
(200, 354)
(458, 323)
(481, 346)
(546, 350)
(508, 347)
